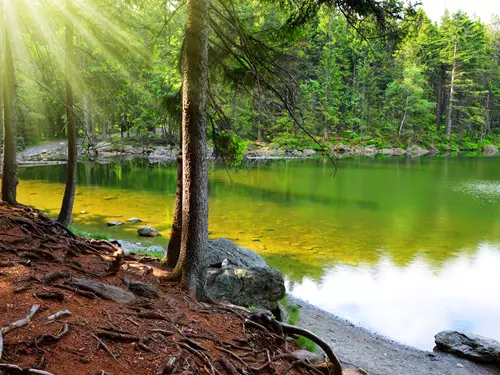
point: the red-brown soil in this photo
(141, 338)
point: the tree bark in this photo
(195, 186)
(440, 102)
(69, 192)
(174, 244)
(449, 116)
(9, 160)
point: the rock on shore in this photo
(469, 345)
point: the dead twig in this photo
(105, 347)
(47, 337)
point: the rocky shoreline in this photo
(375, 354)
(56, 153)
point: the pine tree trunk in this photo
(195, 185)
(9, 161)
(174, 244)
(439, 104)
(449, 116)
(69, 192)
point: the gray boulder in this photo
(417, 151)
(340, 147)
(490, 149)
(104, 291)
(222, 248)
(469, 345)
(387, 151)
(433, 149)
(131, 247)
(398, 151)
(308, 152)
(147, 231)
(253, 286)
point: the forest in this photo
(334, 78)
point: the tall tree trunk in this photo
(440, 102)
(404, 116)
(174, 244)
(9, 161)
(69, 193)
(487, 120)
(194, 178)
(449, 116)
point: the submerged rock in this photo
(114, 223)
(104, 291)
(253, 286)
(469, 345)
(147, 231)
(134, 220)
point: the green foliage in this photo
(251, 308)
(304, 343)
(229, 148)
(339, 86)
(96, 236)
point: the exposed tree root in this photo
(17, 324)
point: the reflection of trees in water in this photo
(400, 208)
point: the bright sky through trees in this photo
(481, 8)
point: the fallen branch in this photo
(47, 337)
(80, 292)
(105, 347)
(21, 322)
(60, 314)
(114, 336)
(55, 275)
(58, 296)
(23, 370)
(201, 356)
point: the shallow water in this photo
(406, 247)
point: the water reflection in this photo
(406, 238)
(414, 303)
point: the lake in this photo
(405, 247)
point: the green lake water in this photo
(405, 247)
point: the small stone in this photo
(134, 220)
(114, 223)
(460, 365)
(83, 212)
(147, 232)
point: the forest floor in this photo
(45, 270)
